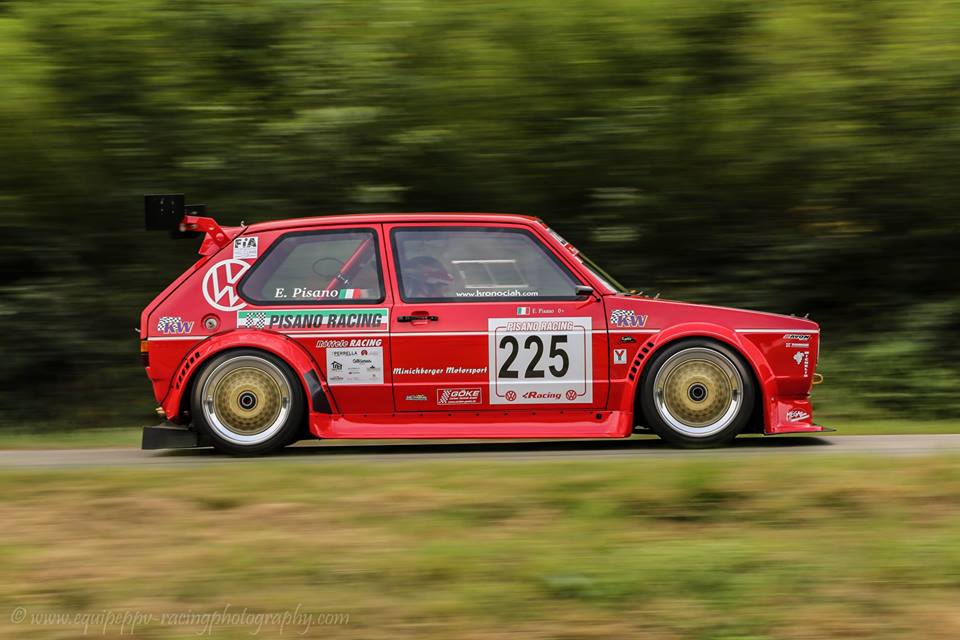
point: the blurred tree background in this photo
(797, 157)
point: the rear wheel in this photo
(248, 402)
(697, 393)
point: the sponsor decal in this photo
(802, 358)
(619, 356)
(245, 248)
(796, 415)
(541, 395)
(339, 294)
(416, 397)
(174, 326)
(354, 342)
(220, 285)
(540, 360)
(800, 337)
(321, 294)
(540, 325)
(627, 318)
(538, 311)
(355, 365)
(460, 395)
(312, 319)
(497, 293)
(427, 371)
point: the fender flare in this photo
(290, 351)
(766, 379)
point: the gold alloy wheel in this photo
(698, 392)
(246, 400)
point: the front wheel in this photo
(697, 393)
(248, 402)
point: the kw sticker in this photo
(174, 326)
(627, 319)
(313, 319)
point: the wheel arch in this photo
(177, 402)
(758, 366)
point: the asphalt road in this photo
(357, 451)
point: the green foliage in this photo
(483, 548)
(794, 157)
(913, 370)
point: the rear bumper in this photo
(169, 436)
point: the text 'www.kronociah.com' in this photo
(107, 622)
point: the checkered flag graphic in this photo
(257, 320)
(619, 317)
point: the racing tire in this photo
(248, 402)
(697, 394)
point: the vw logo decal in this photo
(220, 284)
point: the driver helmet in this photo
(427, 277)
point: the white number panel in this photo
(540, 361)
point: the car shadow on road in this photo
(312, 448)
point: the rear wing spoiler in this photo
(168, 212)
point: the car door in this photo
(487, 317)
(325, 289)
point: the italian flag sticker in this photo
(350, 294)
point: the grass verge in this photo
(784, 548)
(70, 439)
(888, 426)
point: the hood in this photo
(665, 313)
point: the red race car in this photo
(438, 325)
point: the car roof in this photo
(368, 218)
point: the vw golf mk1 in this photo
(440, 325)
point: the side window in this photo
(317, 267)
(475, 263)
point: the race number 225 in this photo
(540, 361)
(533, 369)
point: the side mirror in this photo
(583, 290)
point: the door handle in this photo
(417, 317)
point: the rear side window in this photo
(318, 267)
(471, 264)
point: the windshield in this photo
(601, 275)
(605, 278)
